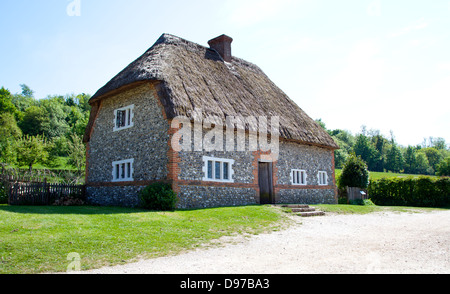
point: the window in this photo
(323, 178)
(298, 177)
(123, 170)
(218, 169)
(123, 118)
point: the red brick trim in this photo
(86, 168)
(173, 170)
(205, 184)
(257, 156)
(307, 187)
(334, 176)
(125, 184)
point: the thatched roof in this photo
(196, 77)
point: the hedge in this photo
(421, 192)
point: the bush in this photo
(362, 202)
(354, 173)
(443, 168)
(421, 192)
(158, 196)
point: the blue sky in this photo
(382, 64)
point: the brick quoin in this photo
(173, 170)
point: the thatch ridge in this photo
(195, 77)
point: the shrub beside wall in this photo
(421, 192)
(158, 196)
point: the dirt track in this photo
(375, 243)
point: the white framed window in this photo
(322, 178)
(298, 177)
(123, 170)
(123, 118)
(218, 169)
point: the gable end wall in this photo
(145, 142)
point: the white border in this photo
(131, 107)
(326, 178)
(292, 177)
(214, 159)
(119, 163)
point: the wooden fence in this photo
(35, 189)
(40, 193)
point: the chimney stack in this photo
(222, 45)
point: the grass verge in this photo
(39, 239)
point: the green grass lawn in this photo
(39, 239)
(379, 175)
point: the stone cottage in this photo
(195, 117)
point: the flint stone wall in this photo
(146, 142)
(312, 159)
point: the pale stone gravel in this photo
(383, 242)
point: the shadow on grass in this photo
(85, 210)
(92, 210)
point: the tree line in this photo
(382, 154)
(40, 131)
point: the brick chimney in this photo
(222, 45)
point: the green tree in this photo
(321, 123)
(77, 121)
(77, 152)
(9, 133)
(56, 113)
(83, 102)
(345, 140)
(394, 159)
(354, 173)
(410, 160)
(31, 150)
(364, 148)
(26, 91)
(34, 121)
(380, 143)
(6, 104)
(22, 102)
(443, 168)
(422, 166)
(344, 136)
(433, 156)
(340, 156)
(439, 143)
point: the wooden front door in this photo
(265, 182)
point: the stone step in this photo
(303, 210)
(312, 213)
(295, 205)
(306, 209)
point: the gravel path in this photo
(384, 242)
